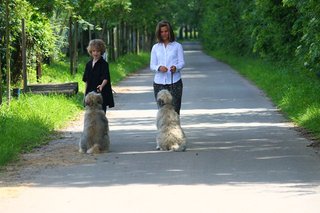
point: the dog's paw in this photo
(81, 150)
(94, 150)
(158, 148)
(178, 148)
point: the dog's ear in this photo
(88, 101)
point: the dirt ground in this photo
(62, 150)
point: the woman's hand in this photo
(163, 69)
(173, 68)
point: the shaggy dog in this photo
(170, 135)
(95, 136)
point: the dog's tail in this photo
(179, 148)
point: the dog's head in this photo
(164, 97)
(93, 99)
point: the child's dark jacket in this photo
(94, 76)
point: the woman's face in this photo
(96, 54)
(164, 33)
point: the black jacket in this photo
(94, 76)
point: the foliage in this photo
(222, 25)
(279, 30)
(272, 29)
(40, 37)
(306, 26)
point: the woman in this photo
(97, 75)
(166, 62)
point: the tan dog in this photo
(170, 135)
(95, 135)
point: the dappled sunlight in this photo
(139, 152)
(226, 110)
(194, 75)
(279, 157)
(143, 113)
(239, 124)
(133, 89)
(192, 51)
(197, 118)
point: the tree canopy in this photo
(272, 29)
(280, 30)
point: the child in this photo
(97, 75)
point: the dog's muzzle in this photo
(161, 103)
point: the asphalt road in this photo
(242, 155)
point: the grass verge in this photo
(31, 119)
(294, 90)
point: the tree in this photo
(1, 45)
(306, 27)
(7, 18)
(0, 77)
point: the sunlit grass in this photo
(294, 90)
(31, 119)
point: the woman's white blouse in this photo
(171, 55)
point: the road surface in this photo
(242, 155)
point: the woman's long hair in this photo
(164, 23)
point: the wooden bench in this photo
(69, 89)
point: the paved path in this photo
(242, 155)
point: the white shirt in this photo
(171, 55)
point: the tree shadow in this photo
(235, 136)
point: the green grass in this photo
(31, 119)
(294, 90)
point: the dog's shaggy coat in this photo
(170, 135)
(95, 135)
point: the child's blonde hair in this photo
(96, 44)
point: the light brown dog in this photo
(95, 135)
(170, 135)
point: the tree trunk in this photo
(70, 46)
(81, 41)
(0, 80)
(134, 40)
(8, 52)
(24, 57)
(181, 33)
(75, 49)
(115, 45)
(190, 32)
(138, 41)
(186, 32)
(38, 67)
(121, 38)
(111, 43)
(90, 33)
